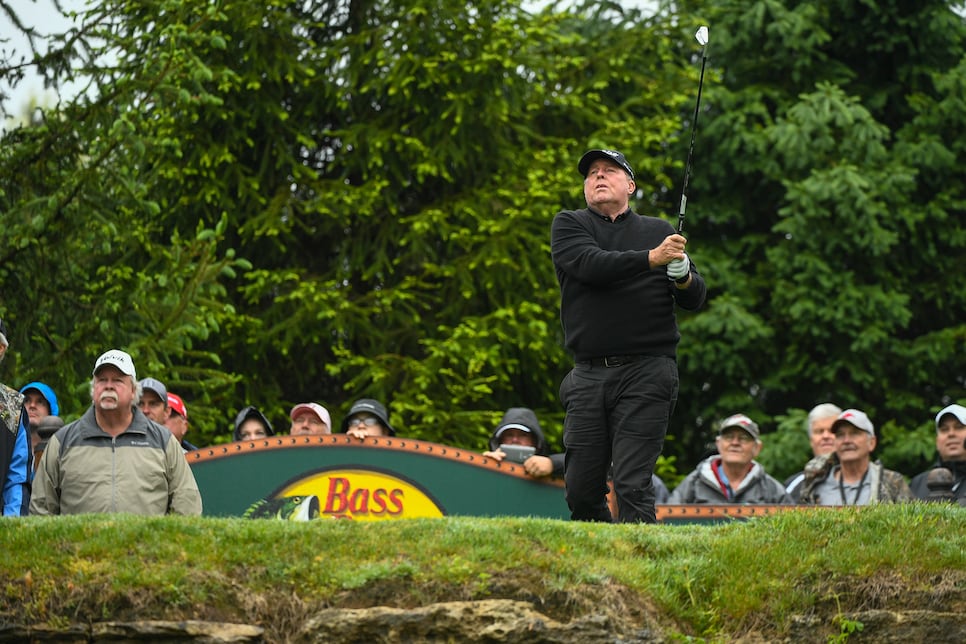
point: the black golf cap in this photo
(3, 328)
(375, 408)
(613, 155)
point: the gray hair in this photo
(137, 390)
(824, 410)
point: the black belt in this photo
(611, 361)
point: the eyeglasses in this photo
(368, 421)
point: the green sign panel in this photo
(336, 476)
(310, 477)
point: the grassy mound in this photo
(746, 578)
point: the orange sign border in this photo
(385, 442)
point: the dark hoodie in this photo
(251, 412)
(526, 418)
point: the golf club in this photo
(702, 37)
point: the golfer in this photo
(620, 275)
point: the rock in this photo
(494, 620)
(168, 631)
(66, 635)
(142, 631)
(901, 627)
(884, 627)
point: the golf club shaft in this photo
(694, 127)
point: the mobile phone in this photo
(517, 453)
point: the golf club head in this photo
(701, 35)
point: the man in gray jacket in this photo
(732, 475)
(114, 458)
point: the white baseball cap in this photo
(316, 409)
(956, 410)
(119, 359)
(855, 418)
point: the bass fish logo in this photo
(288, 508)
(362, 495)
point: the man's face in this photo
(177, 425)
(517, 437)
(949, 439)
(153, 407)
(37, 407)
(822, 438)
(852, 444)
(607, 186)
(737, 447)
(112, 389)
(307, 423)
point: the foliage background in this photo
(273, 202)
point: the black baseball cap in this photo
(375, 408)
(613, 155)
(3, 328)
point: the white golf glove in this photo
(678, 268)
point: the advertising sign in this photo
(335, 476)
(375, 479)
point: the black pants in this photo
(616, 416)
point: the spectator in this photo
(114, 458)
(950, 451)
(733, 475)
(40, 402)
(621, 277)
(15, 458)
(310, 419)
(520, 426)
(251, 424)
(848, 476)
(367, 417)
(819, 426)
(177, 422)
(661, 493)
(154, 401)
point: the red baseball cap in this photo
(177, 405)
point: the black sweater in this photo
(611, 302)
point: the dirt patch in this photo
(889, 591)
